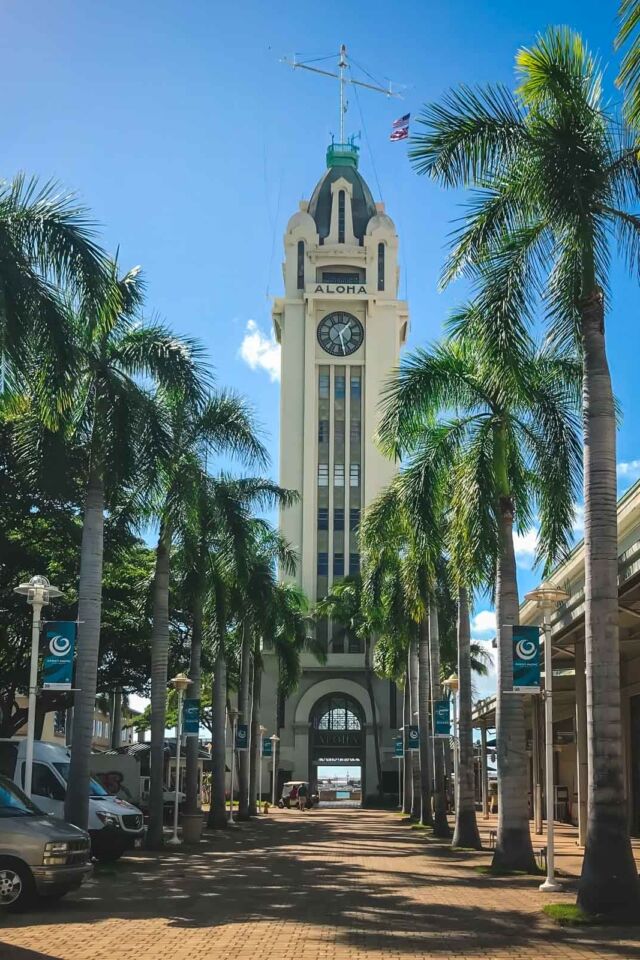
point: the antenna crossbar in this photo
(342, 65)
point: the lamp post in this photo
(263, 730)
(233, 719)
(274, 740)
(180, 683)
(547, 597)
(452, 684)
(38, 592)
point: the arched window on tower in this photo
(341, 216)
(381, 266)
(300, 264)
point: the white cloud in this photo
(483, 625)
(628, 473)
(578, 520)
(259, 351)
(524, 545)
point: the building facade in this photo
(340, 325)
(569, 682)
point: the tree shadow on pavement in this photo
(301, 871)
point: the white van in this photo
(114, 824)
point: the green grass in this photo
(466, 850)
(489, 871)
(568, 915)
(421, 826)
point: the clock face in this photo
(340, 334)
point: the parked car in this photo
(39, 855)
(114, 824)
(291, 787)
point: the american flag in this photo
(400, 128)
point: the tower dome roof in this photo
(342, 161)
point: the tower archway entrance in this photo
(337, 749)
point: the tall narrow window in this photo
(338, 518)
(340, 386)
(323, 474)
(354, 518)
(354, 475)
(354, 564)
(338, 474)
(323, 564)
(323, 431)
(300, 264)
(323, 518)
(324, 386)
(340, 216)
(338, 564)
(381, 266)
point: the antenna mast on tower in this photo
(343, 64)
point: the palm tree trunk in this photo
(416, 800)
(441, 826)
(116, 720)
(466, 829)
(609, 881)
(424, 685)
(244, 707)
(374, 713)
(192, 749)
(89, 615)
(159, 663)
(218, 812)
(513, 842)
(407, 784)
(255, 758)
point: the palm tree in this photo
(47, 246)
(513, 442)
(113, 423)
(440, 823)
(200, 427)
(556, 172)
(399, 568)
(466, 830)
(345, 605)
(629, 75)
(285, 630)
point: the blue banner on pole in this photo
(267, 748)
(57, 669)
(242, 736)
(398, 748)
(412, 737)
(442, 719)
(191, 717)
(526, 659)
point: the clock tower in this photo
(340, 325)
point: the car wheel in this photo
(17, 887)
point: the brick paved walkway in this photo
(332, 885)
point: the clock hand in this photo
(344, 349)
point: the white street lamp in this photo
(180, 683)
(547, 597)
(233, 718)
(38, 592)
(452, 684)
(274, 740)
(263, 730)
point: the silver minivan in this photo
(39, 855)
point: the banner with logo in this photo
(60, 644)
(442, 719)
(267, 748)
(191, 717)
(242, 736)
(526, 659)
(398, 747)
(412, 737)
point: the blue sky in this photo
(192, 145)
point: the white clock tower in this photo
(341, 326)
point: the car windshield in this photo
(95, 789)
(14, 803)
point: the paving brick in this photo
(328, 885)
